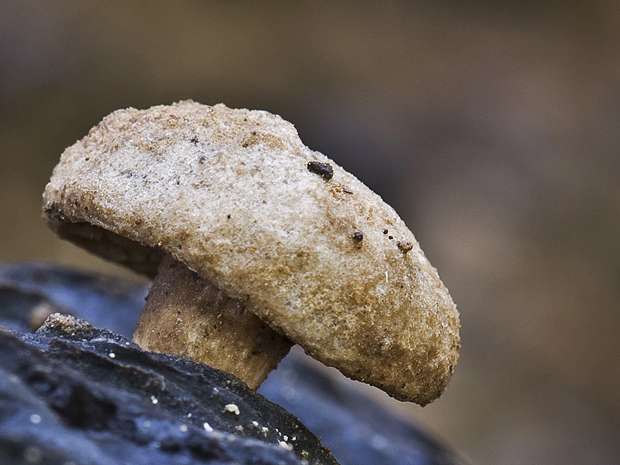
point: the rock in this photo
(104, 301)
(87, 395)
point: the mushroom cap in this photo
(236, 196)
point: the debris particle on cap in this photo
(324, 170)
(404, 246)
(207, 427)
(358, 236)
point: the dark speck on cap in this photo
(324, 170)
(404, 246)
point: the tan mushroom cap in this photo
(237, 197)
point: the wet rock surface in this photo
(92, 396)
(72, 393)
(104, 301)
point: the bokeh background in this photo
(493, 128)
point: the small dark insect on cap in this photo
(324, 170)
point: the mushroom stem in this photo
(187, 315)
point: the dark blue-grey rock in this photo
(74, 393)
(104, 301)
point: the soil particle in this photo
(324, 170)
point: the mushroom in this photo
(255, 242)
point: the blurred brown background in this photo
(493, 128)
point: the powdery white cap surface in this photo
(237, 197)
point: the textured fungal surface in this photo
(237, 197)
(186, 315)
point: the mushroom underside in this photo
(186, 314)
